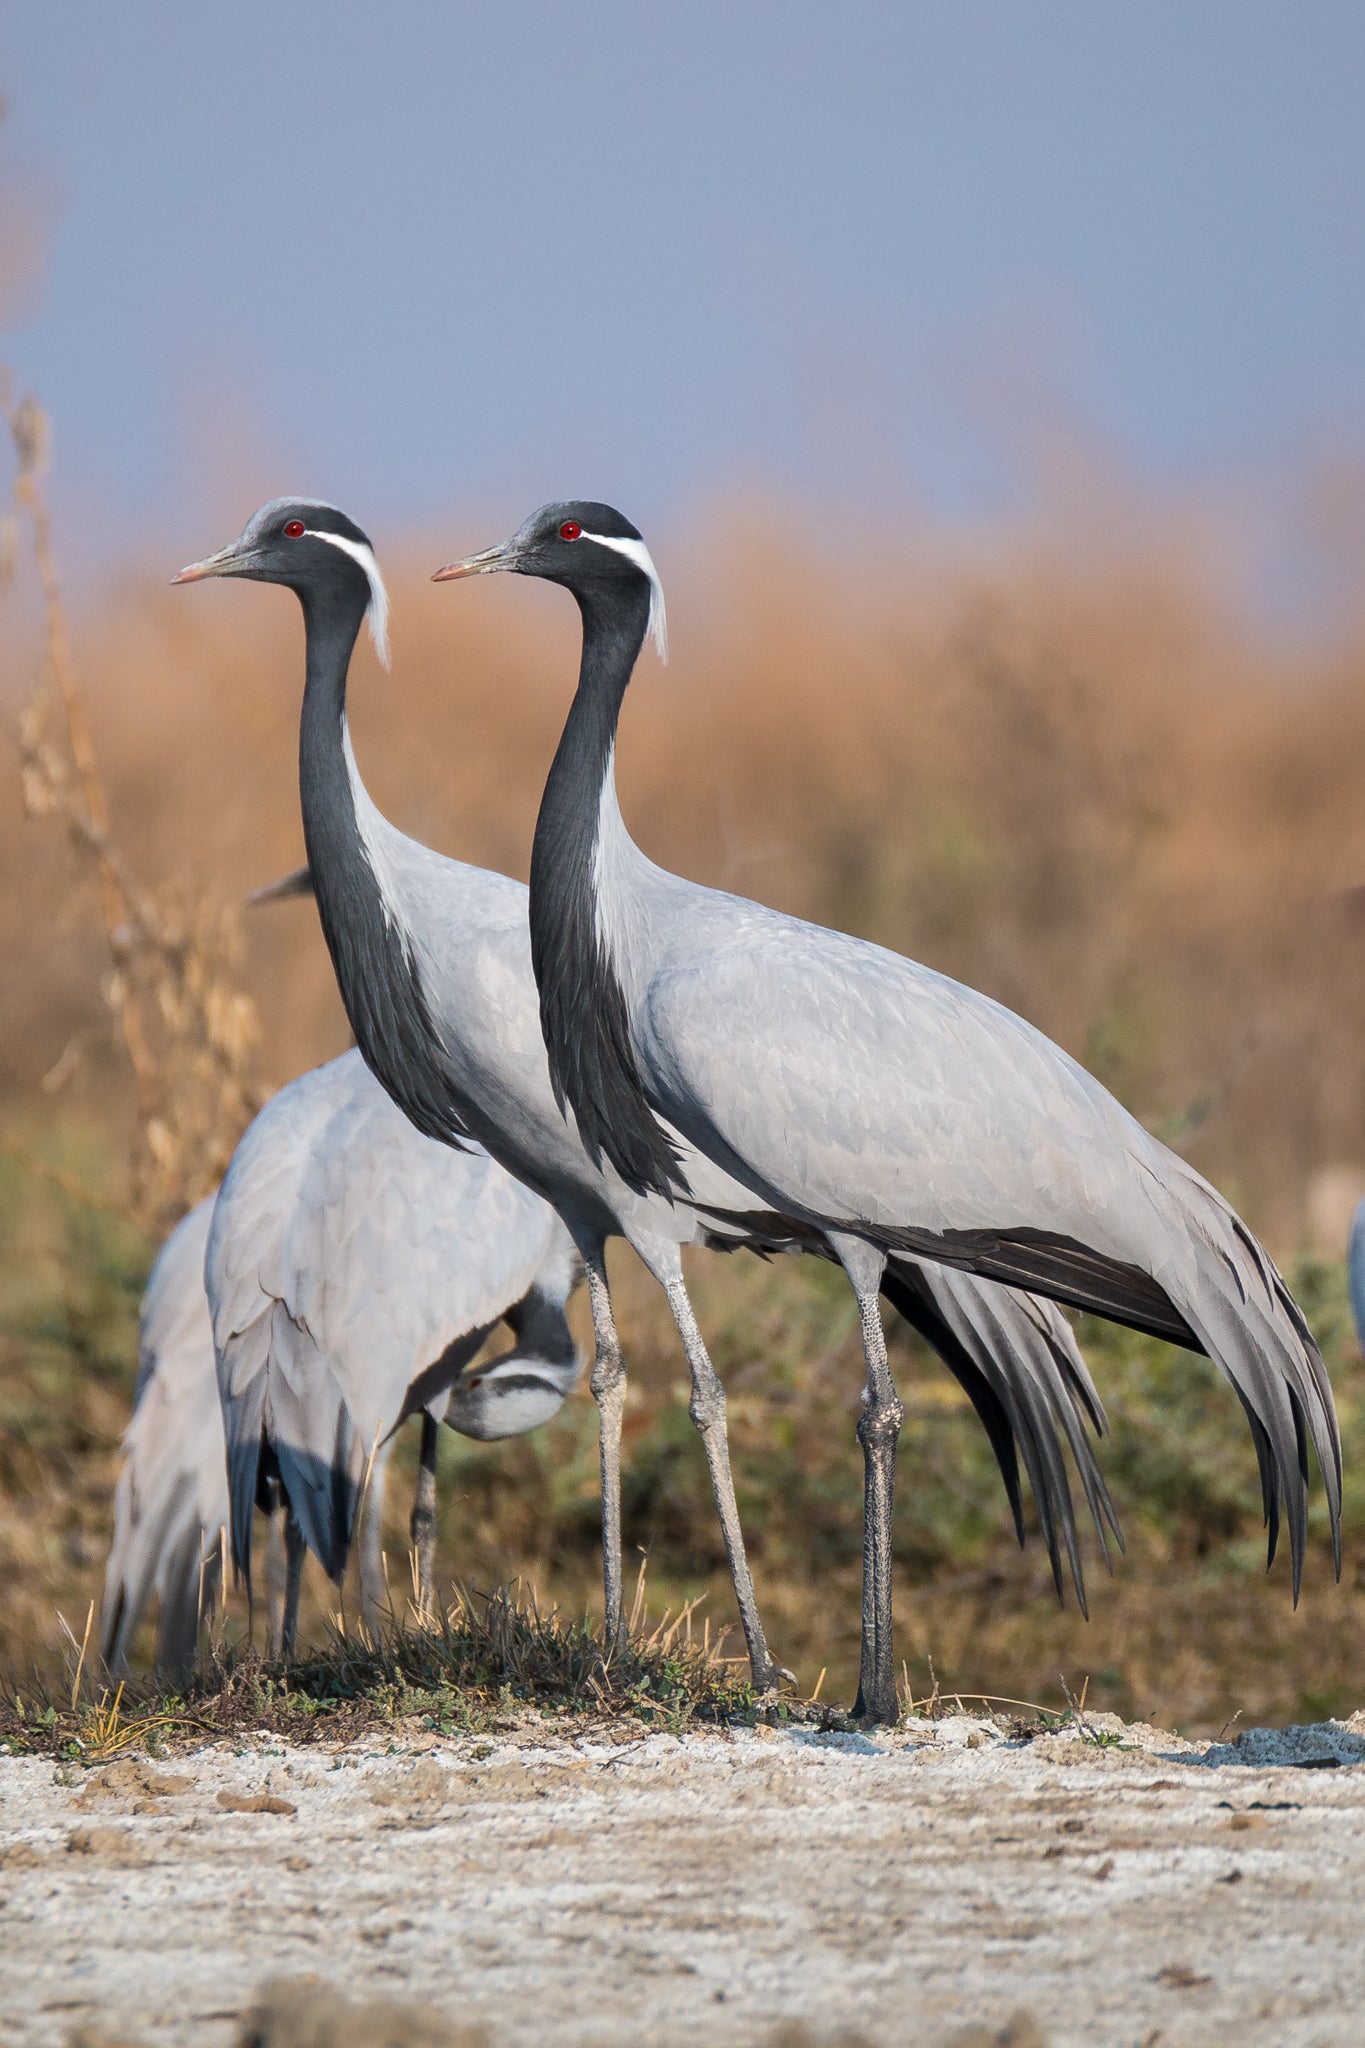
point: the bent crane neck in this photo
(582, 861)
(350, 853)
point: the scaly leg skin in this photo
(879, 1426)
(707, 1409)
(424, 1516)
(608, 1384)
(294, 1548)
(275, 1569)
(374, 1594)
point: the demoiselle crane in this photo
(433, 960)
(863, 1095)
(357, 1268)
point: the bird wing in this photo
(857, 1089)
(838, 1070)
(171, 1503)
(348, 1253)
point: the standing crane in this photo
(355, 1269)
(433, 960)
(864, 1095)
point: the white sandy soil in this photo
(619, 1887)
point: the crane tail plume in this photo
(1018, 1363)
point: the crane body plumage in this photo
(355, 1268)
(171, 1502)
(872, 1099)
(433, 960)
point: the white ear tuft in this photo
(658, 619)
(377, 610)
(636, 551)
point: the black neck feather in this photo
(380, 984)
(582, 1005)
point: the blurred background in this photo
(990, 385)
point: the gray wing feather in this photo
(348, 1253)
(863, 1092)
(171, 1503)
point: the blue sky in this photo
(427, 257)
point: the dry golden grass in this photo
(188, 1031)
(1080, 783)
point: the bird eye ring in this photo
(294, 529)
(570, 530)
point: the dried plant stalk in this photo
(189, 1029)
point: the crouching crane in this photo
(355, 1269)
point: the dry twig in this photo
(188, 1028)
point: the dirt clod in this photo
(114, 1845)
(1180, 1977)
(306, 2014)
(255, 1802)
(1022, 2031)
(132, 1779)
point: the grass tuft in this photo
(486, 1663)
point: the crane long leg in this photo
(879, 1427)
(294, 1549)
(275, 1568)
(373, 1591)
(707, 1409)
(608, 1384)
(424, 1515)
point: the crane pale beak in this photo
(229, 561)
(503, 556)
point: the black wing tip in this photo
(1016, 1425)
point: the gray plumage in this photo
(365, 1266)
(353, 1269)
(891, 1109)
(170, 1506)
(433, 960)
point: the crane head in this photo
(510, 1396)
(591, 549)
(313, 549)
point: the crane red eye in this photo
(570, 530)
(294, 529)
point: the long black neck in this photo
(376, 973)
(582, 1005)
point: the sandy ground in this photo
(627, 1888)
